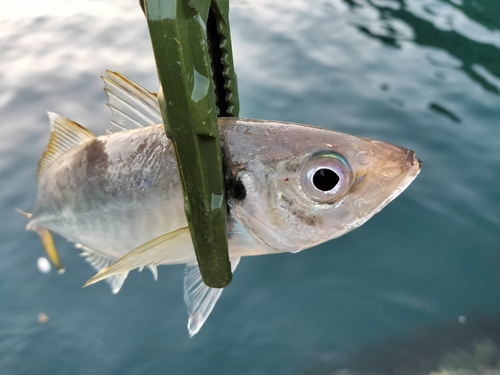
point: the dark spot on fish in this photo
(86, 175)
(141, 147)
(97, 160)
(237, 190)
(286, 179)
(94, 173)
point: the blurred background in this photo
(414, 290)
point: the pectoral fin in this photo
(173, 247)
(199, 298)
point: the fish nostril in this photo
(410, 156)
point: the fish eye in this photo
(325, 177)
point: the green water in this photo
(386, 298)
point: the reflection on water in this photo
(454, 27)
(469, 346)
(423, 74)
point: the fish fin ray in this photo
(115, 124)
(100, 262)
(179, 250)
(199, 298)
(132, 106)
(26, 215)
(154, 271)
(66, 134)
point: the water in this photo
(416, 282)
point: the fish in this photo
(119, 198)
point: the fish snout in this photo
(415, 164)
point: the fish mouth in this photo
(413, 167)
(413, 171)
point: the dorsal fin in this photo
(132, 106)
(65, 135)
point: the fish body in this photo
(289, 187)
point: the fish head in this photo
(299, 186)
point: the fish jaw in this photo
(278, 209)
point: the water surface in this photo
(423, 74)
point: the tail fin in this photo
(47, 241)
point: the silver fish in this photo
(289, 187)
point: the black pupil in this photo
(325, 179)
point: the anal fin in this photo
(200, 299)
(100, 262)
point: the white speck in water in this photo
(43, 265)
(462, 319)
(42, 317)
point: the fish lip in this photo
(419, 164)
(411, 174)
(412, 158)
